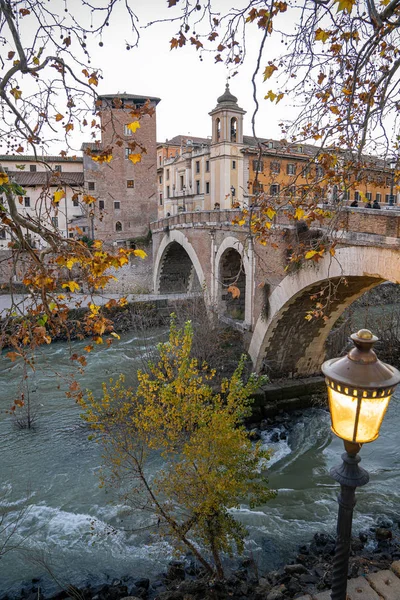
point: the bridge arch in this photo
(231, 260)
(177, 267)
(285, 342)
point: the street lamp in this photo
(359, 390)
(233, 191)
(392, 165)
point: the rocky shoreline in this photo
(310, 571)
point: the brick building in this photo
(126, 193)
(227, 169)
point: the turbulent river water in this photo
(80, 533)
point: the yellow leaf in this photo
(334, 109)
(363, 197)
(268, 225)
(299, 214)
(58, 195)
(97, 244)
(93, 80)
(70, 262)
(322, 35)
(102, 158)
(270, 96)
(241, 222)
(98, 340)
(16, 93)
(133, 126)
(72, 286)
(59, 117)
(271, 213)
(310, 254)
(308, 317)
(69, 127)
(268, 71)
(123, 301)
(140, 253)
(332, 251)
(88, 199)
(135, 158)
(3, 178)
(345, 5)
(88, 348)
(36, 61)
(115, 335)
(234, 290)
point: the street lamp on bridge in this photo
(359, 390)
(392, 165)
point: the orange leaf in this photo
(234, 290)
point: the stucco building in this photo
(230, 169)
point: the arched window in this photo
(218, 130)
(118, 226)
(233, 129)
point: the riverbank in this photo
(310, 572)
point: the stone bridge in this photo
(205, 251)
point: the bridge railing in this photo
(384, 222)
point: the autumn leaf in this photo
(140, 253)
(16, 93)
(268, 71)
(123, 301)
(345, 5)
(24, 12)
(98, 340)
(58, 195)
(133, 126)
(72, 286)
(68, 127)
(234, 290)
(102, 158)
(59, 117)
(4, 178)
(12, 355)
(270, 96)
(88, 348)
(322, 36)
(87, 199)
(93, 80)
(118, 337)
(335, 110)
(299, 213)
(135, 158)
(270, 212)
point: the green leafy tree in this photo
(209, 464)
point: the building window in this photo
(160, 179)
(101, 204)
(233, 129)
(346, 195)
(128, 151)
(378, 197)
(71, 235)
(54, 221)
(387, 198)
(117, 205)
(356, 196)
(275, 166)
(118, 226)
(91, 186)
(258, 187)
(234, 164)
(2, 234)
(197, 186)
(197, 166)
(319, 172)
(182, 185)
(127, 131)
(167, 174)
(207, 187)
(57, 168)
(306, 171)
(130, 183)
(160, 199)
(27, 201)
(291, 169)
(218, 130)
(300, 149)
(274, 189)
(258, 165)
(207, 166)
(168, 191)
(368, 195)
(32, 168)
(75, 202)
(292, 191)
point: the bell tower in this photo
(226, 158)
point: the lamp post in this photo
(359, 390)
(233, 191)
(393, 165)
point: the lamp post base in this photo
(350, 476)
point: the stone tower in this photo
(227, 171)
(126, 193)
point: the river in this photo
(80, 533)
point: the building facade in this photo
(229, 169)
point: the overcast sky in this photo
(188, 88)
